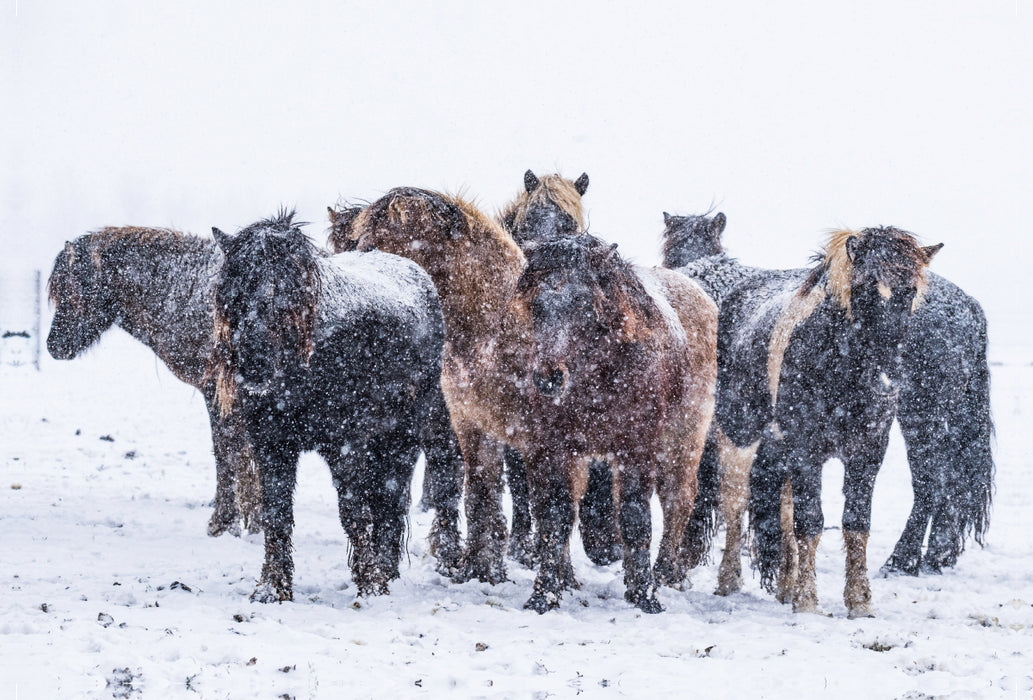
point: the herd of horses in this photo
(522, 350)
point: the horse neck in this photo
(166, 306)
(476, 290)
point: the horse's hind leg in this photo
(808, 523)
(598, 517)
(394, 455)
(735, 463)
(443, 484)
(277, 465)
(922, 439)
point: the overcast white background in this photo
(790, 117)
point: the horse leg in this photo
(552, 499)
(735, 464)
(227, 442)
(598, 518)
(681, 449)
(351, 472)
(521, 537)
(443, 484)
(486, 525)
(635, 487)
(921, 438)
(278, 467)
(789, 568)
(858, 484)
(394, 454)
(695, 546)
(808, 523)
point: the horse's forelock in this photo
(554, 189)
(892, 256)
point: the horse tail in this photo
(767, 478)
(702, 525)
(975, 494)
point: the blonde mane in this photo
(553, 188)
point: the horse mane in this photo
(552, 188)
(272, 253)
(897, 254)
(621, 301)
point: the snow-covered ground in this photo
(110, 586)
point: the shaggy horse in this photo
(547, 207)
(340, 355)
(810, 369)
(623, 368)
(156, 285)
(487, 375)
(944, 413)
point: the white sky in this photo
(790, 119)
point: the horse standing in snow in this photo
(623, 368)
(340, 355)
(156, 284)
(810, 369)
(944, 413)
(547, 207)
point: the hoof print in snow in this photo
(180, 586)
(121, 682)
(105, 620)
(107, 438)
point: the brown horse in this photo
(487, 375)
(623, 368)
(546, 207)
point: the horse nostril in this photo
(549, 385)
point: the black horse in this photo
(943, 412)
(810, 368)
(156, 284)
(341, 355)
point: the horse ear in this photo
(332, 215)
(223, 239)
(530, 182)
(930, 251)
(667, 219)
(717, 226)
(581, 184)
(852, 245)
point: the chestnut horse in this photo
(487, 377)
(623, 368)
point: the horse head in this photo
(574, 291)
(265, 303)
(84, 305)
(689, 238)
(342, 238)
(548, 207)
(878, 276)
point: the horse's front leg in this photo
(486, 523)
(278, 467)
(553, 502)
(522, 546)
(635, 487)
(227, 442)
(858, 484)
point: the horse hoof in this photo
(807, 606)
(267, 593)
(219, 525)
(542, 603)
(646, 602)
(524, 551)
(492, 572)
(604, 556)
(895, 565)
(859, 611)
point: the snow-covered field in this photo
(110, 586)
